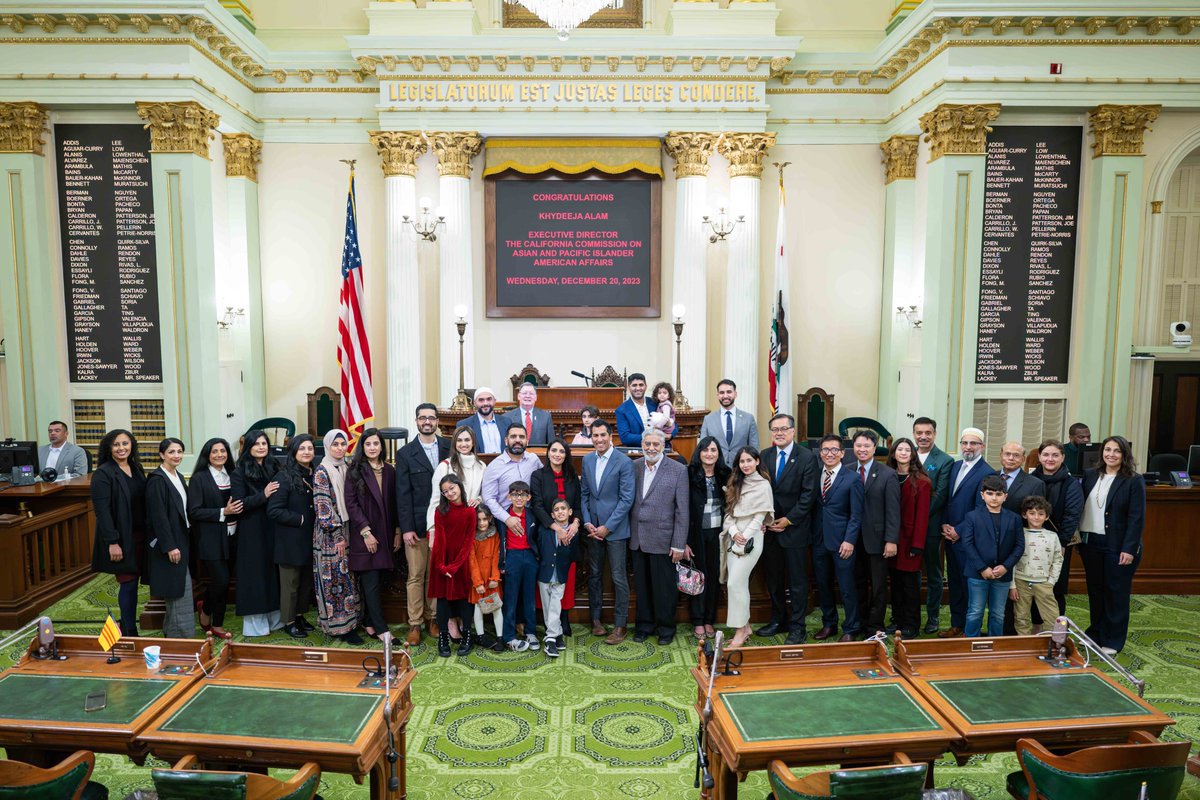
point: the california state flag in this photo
(778, 371)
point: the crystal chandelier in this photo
(566, 15)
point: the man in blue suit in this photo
(607, 488)
(539, 429)
(966, 475)
(937, 466)
(633, 416)
(837, 520)
(485, 424)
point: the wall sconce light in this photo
(911, 313)
(722, 225)
(427, 221)
(3, 352)
(230, 317)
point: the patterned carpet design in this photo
(606, 723)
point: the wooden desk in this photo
(805, 705)
(996, 691)
(46, 556)
(275, 706)
(41, 702)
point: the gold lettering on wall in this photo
(573, 92)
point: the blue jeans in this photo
(992, 595)
(520, 587)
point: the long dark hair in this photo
(455, 457)
(299, 475)
(248, 465)
(568, 469)
(360, 464)
(737, 480)
(1128, 466)
(721, 470)
(444, 504)
(914, 466)
(104, 451)
(206, 452)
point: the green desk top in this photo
(295, 714)
(988, 701)
(59, 698)
(826, 711)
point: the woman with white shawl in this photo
(750, 506)
(338, 602)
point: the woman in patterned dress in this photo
(338, 604)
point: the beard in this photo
(652, 459)
(516, 449)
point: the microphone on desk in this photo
(1056, 650)
(587, 381)
(47, 644)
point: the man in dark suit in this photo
(607, 489)
(658, 527)
(937, 466)
(488, 430)
(838, 523)
(415, 463)
(633, 416)
(880, 528)
(539, 429)
(793, 473)
(965, 477)
(1018, 483)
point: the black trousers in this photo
(871, 573)
(787, 574)
(906, 602)
(217, 596)
(127, 597)
(454, 608)
(706, 555)
(656, 593)
(371, 582)
(1109, 586)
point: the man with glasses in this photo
(937, 466)
(965, 477)
(838, 521)
(792, 471)
(415, 463)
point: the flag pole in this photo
(778, 357)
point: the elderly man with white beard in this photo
(965, 476)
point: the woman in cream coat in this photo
(749, 508)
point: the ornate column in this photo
(399, 151)
(1108, 285)
(957, 137)
(689, 286)
(241, 277)
(743, 361)
(454, 150)
(33, 372)
(899, 279)
(183, 224)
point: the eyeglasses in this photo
(781, 430)
(518, 494)
(427, 418)
(968, 443)
(829, 451)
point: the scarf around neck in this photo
(756, 497)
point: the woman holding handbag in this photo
(749, 506)
(707, 476)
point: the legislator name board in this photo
(573, 247)
(1027, 277)
(106, 217)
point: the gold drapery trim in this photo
(573, 156)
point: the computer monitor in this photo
(1089, 456)
(1193, 466)
(16, 453)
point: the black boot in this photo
(468, 642)
(444, 643)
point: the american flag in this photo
(354, 351)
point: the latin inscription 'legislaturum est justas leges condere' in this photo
(106, 211)
(1031, 206)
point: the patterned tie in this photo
(528, 426)
(862, 470)
(729, 428)
(779, 468)
(825, 484)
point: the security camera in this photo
(1180, 334)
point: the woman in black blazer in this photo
(291, 509)
(1066, 501)
(254, 481)
(557, 479)
(118, 500)
(168, 547)
(213, 514)
(1114, 512)
(707, 476)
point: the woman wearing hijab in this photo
(291, 510)
(337, 590)
(167, 546)
(253, 482)
(374, 532)
(213, 514)
(119, 499)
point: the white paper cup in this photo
(153, 656)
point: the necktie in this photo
(862, 471)
(528, 426)
(729, 428)
(779, 467)
(1009, 478)
(825, 484)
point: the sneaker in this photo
(1109, 651)
(560, 642)
(551, 648)
(518, 645)
(497, 646)
(532, 641)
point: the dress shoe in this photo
(414, 636)
(931, 625)
(846, 637)
(351, 638)
(640, 637)
(219, 632)
(796, 637)
(598, 629)
(909, 635)
(616, 637)
(486, 640)
(294, 631)
(433, 629)
(951, 633)
(824, 633)
(663, 641)
(770, 629)
(304, 624)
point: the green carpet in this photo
(604, 723)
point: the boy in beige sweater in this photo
(1037, 571)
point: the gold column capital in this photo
(242, 154)
(454, 150)
(958, 130)
(179, 127)
(900, 157)
(21, 127)
(1120, 130)
(745, 152)
(399, 151)
(691, 150)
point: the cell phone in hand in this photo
(95, 701)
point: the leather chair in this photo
(1163, 464)
(851, 425)
(68, 780)
(1100, 773)
(902, 780)
(279, 430)
(186, 782)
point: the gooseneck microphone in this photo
(586, 379)
(392, 756)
